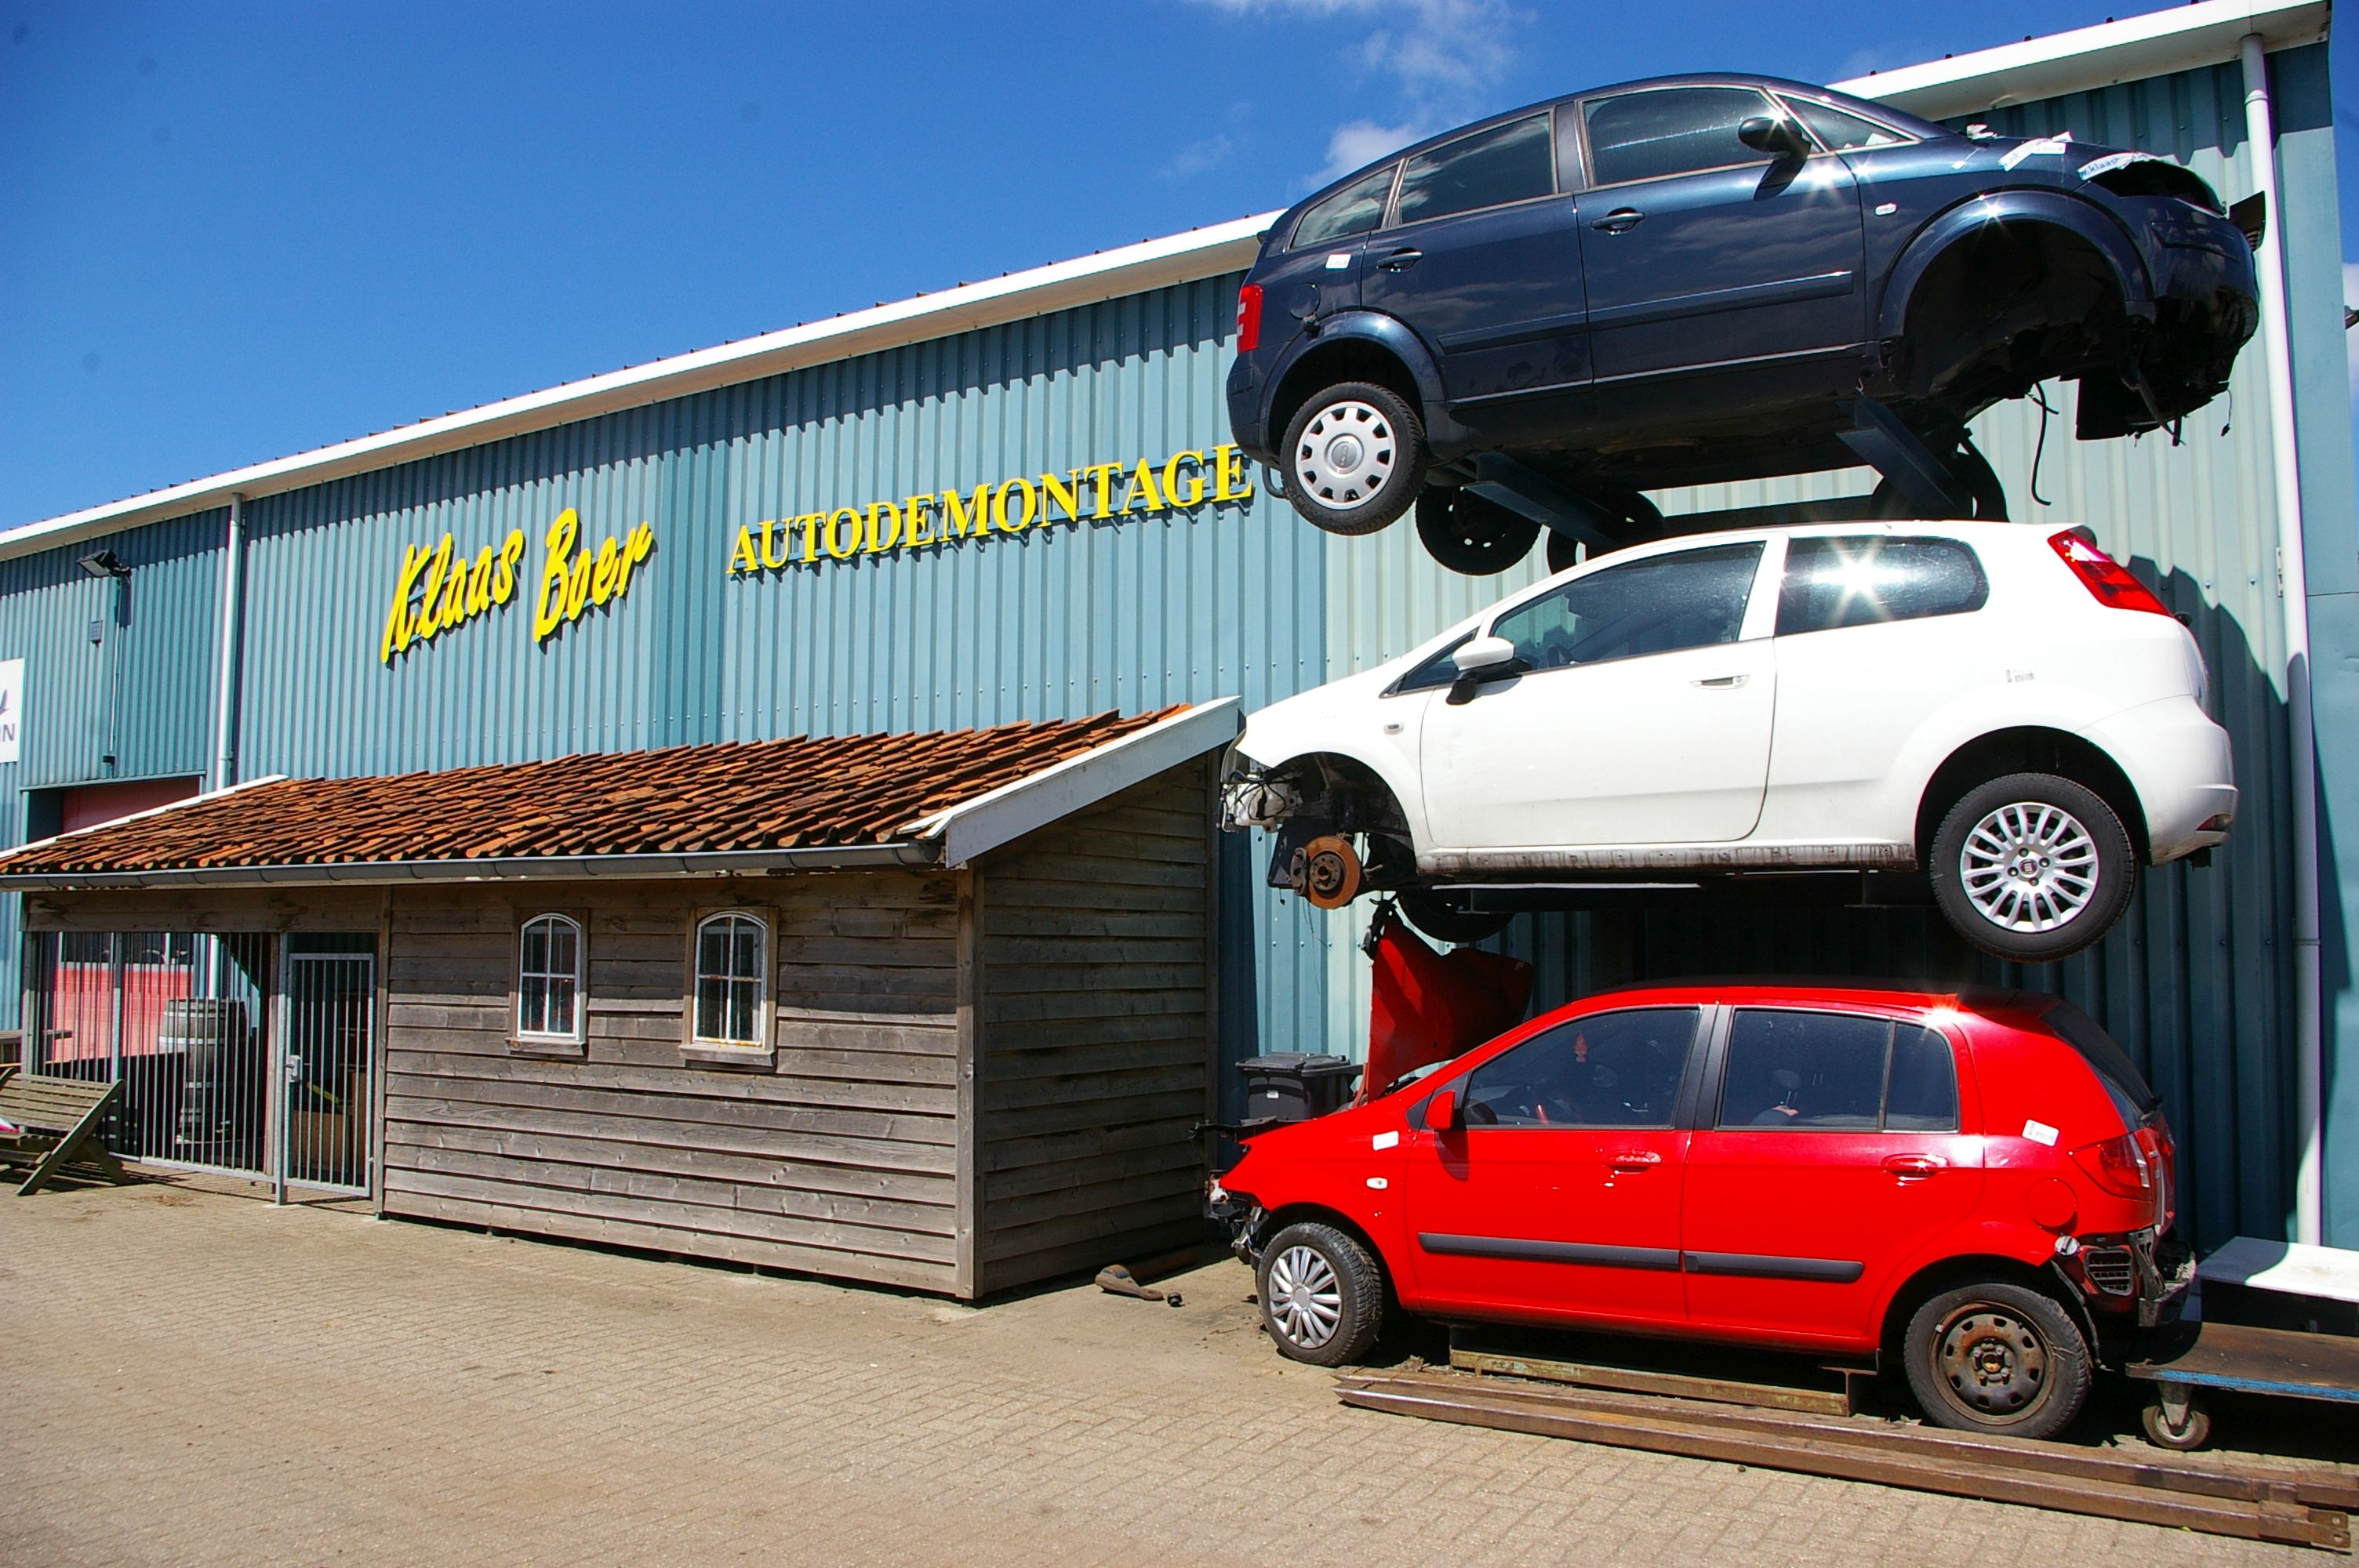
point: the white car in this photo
(2000, 705)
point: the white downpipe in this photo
(225, 706)
(2260, 135)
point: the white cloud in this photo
(1364, 141)
(1443, 57)
(1197, 156)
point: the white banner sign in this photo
(12, 708)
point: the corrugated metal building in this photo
(782, 595)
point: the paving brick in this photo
(198, 1379)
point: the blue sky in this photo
(231, 232)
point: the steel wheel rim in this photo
(2029, 866)
(1993, 1361)
(1305, 1298)
(1345, 458)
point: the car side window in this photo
(1616, 1069)
(1438, 669)
(1658, 605)
(1826, 1071)
(1670, 130)
(1354, 210)
(1832, 583)
(1507, 162)
(1841, 132)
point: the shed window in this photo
(549, 979)
(732, 956)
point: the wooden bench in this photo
(57, 1121)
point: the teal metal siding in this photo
(1057, 621)
(1244, 599)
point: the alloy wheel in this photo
(1306, 1301)
(2028, 866)
(1345, 458)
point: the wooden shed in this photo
(931, 1010)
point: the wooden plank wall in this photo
(838, 1158)
(1097, 1033)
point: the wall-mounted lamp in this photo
(103, 563)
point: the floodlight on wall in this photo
(103, 563)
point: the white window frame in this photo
(570, 1041)
(701, 1044)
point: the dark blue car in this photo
(1702, 278)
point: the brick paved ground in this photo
(193, 1378)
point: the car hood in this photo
(1287, 729)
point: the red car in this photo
(1979, 1183)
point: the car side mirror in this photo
(1478, 654)
(1776, 135)
(1481, 659)
(1442, 1112)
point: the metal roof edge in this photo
(2155, 44)
(507, 868)
(974, 828)
(1107, 275)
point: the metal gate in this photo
(237, 1053)
(329, 1064)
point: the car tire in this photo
(1355, 458)
(2032, 868)
(1641, 519)
(1322, 1295)
(1999, 1357)
(1436, 917)
(1472, 534)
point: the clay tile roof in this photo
(797, 794)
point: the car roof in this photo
(1830, 991)
(1691, 79)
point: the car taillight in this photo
(2104, 576)
(1248, 318)
(2119, 1165)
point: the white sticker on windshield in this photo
(1338, 261)
(1384, 1140)
(2040, 1132)
(2045, 145)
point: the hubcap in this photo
(2029, 866)
(1305, 1302)
(1993, 1360)
(1346, 455)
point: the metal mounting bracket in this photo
(1879, 439)
(1544, 501)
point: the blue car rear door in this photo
(1701, 250)
(1483, 261)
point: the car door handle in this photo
(1723, 683)
(1401, 260)
(1913, 1167)
(1636, 1160)
(1621, 221)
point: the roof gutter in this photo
(2211, 32)
(506, 868)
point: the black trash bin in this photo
(1293, 1085)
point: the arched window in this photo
(732, 954)
(549, 979)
